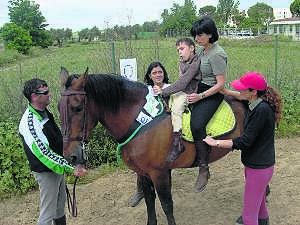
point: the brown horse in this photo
(115, 102)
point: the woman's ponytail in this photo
(273, 97)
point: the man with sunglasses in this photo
(43, 146)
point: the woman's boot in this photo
(202, 150)
(138, 196)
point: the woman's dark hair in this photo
(273, 97)
(189, 42)
(147, 78)
(205, 26)
(32, 86)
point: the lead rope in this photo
(72, 204)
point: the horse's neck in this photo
(119, 123)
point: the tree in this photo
(225, 9)
(261, 14)
(208, 10)
(295, 8)
(16, 37)
(58, 35)
(27, 15)
(180, 18)
(151, 26)
(238, 17)
(68, 34)
(83, 34)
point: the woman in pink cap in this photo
(256, 143)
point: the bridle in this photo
(72, 206)
(65, 127)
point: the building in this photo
(288, 27)
(281, 13)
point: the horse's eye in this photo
(77, 109)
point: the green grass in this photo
(243, 56)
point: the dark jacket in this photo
(257, 141)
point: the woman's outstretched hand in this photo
(210, 141)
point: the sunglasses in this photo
(42, 92)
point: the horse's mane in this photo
(110, 91)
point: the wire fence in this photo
(278, 60)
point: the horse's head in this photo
(76, 120)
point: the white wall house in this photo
(281, 13)
(288, 27)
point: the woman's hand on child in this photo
(192, 98)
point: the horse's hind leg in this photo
(149, 194)
(163, 184)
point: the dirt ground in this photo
(104, 201)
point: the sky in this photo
(79, 14)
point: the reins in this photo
(72, 203)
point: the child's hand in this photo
(157, 90)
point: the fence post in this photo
(113, 57)
(276, 59)
(157, 48)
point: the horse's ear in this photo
(64, 74)
(86, 73)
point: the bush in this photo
(290, 123)
(101, 148)
(15, 176)
(16, 37)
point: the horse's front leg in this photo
(163, 184)
(149, 194)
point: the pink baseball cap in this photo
(250, 80)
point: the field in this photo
(281, 69)
(104, 200)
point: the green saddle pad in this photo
(222, 122)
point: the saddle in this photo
(222, 122)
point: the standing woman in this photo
(256, 143)
(156, 75)
(205, 102)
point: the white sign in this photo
(128, 68)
